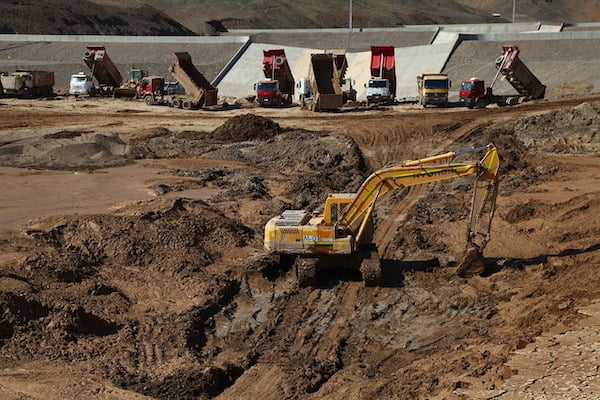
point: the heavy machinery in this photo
(433, 89)
(342, 235)
(81, 84)
(346, 83)
(326, 93)
(381, 88)
(278, 88)
(27, 83)
(106, 73)
(473, 92)
(199, 91)
(156, 91)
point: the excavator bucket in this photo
(471, 263)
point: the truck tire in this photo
(186, 105)
(176, 103)
(148, 100)
(481, 103)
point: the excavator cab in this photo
(335, 205)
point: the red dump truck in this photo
(199, 91)
(27, 83)
(473, 92)
(156, 91)
(106, 73)
(381, 88)
(278, 88)
(326, 92)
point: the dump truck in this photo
(326, 93)
(199, 91)
(473, 92)
(346, 83)
(156, 91)
(278, 88)
(26, 84)
(341, 236)
(433, 89)
(381, 88)
(106, 73)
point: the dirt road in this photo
(131, 260)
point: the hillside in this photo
(541, 10)
(232, 14)
(85, 17)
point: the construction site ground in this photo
(132, 266)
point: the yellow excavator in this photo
(342, 235)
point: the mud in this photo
(174, 297)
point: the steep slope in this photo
(85, 17)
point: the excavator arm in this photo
(431, 169)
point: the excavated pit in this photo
(175, 298)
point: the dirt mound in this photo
(67, 150)
(309, 165)
(567, 131)
(88, 18)
(193, 228)
(172, 248)
(234, 184)
(246, 127)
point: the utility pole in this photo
(514, 9)
(350, 17)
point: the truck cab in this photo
(433, 89)
(378, 90)
(81, 83)
(267, 93)
(472, 92)
(304, 90)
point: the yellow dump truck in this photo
(342, 236)
(433, 89)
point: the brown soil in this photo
(169, 296)
(246, 127)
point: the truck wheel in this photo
(481, 103)
(186, 105)
(148, 100)
(176, 103)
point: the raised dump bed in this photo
(325, 83)
(518, 75)
(199, 90)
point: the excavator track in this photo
(306, 271)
